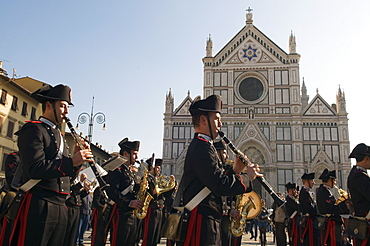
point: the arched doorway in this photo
(255, 156)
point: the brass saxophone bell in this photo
(249, 206)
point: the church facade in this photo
(267, 113)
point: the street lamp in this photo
(83, 117)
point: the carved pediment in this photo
(250, 46)
(183, 108)
(318, 106)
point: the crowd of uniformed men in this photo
(47, 192)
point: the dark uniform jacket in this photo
(291, 205)
(158, 200)
(77, 193)
(306, 202)
(11, 164)
(358, 184)
(326, 201)
(123, 187)
(203, 168)
(39, 145)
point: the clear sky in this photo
(128, 53)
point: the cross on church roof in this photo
(249, 16)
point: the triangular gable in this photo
(251, 131)
(183, 108)
(251, 136)
(250, 46)
(317, 107)
(321, 161)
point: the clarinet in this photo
(103, 185)
(247, 162)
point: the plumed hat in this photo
(360, 150)
(48, 93)
(158, 162)
(212, 103)
(290, 185)
(129, 145)
(308, 176)
(326, 174)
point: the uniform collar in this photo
(326, 186)
(291, 196)
(361, 168)
(205, 137)
(306, 187)
(48, 122)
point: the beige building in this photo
(267, 113)
(16, 107)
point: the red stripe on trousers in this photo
(191, 226)
(115, 222)
(94, 222)
(21, 221)
(146, 227)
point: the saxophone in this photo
(143, 195)
(249, 206)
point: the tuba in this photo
(143, 195)
(249, 206)
(343, 195)
(164, 184)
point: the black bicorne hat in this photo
(326, 174)
(129, 145)
(158, 162)
(308, 176)
(212, 103)
(360, 150)
(220, 145)
(48, 93)
(290, 185)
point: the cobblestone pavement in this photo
(245, 240)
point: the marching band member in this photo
(227, 238)
(100, 218)
(152, 223)
(42, 215)
(85, 209)
(308, 234)
(202, 168)
(279, 220)
(359, 186)
(7, 195)
(332, 234)
(123, 191)
(292, 208)
(73, 204)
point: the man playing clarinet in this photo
(203, 168)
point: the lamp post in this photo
(83, 117)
